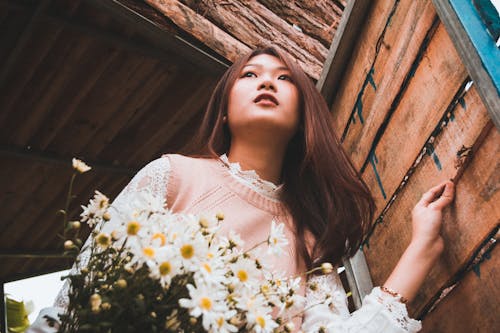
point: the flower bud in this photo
(204, 222)
(75, 225)
(95, 302)
(121, 283)
(68, 245)
(106, 216)
(80, 166)
(326, 268)
(220, 216)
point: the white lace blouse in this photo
(380, 311)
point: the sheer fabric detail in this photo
(251, 179)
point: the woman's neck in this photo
(266, 161)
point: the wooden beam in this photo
(29, 154)
(201, 28)
(342, 45)
(161, 35)
(21, 44)
(476, 48)
(31, 254)
(21, 276)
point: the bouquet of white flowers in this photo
(152, 270)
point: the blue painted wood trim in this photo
(480, 38)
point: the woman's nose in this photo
(267, 84)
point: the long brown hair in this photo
(322, 190)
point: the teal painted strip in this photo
(480, 38)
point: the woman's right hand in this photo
(427, 216)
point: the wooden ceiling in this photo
(115, 83)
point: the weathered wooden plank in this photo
(98, 110)
(182, 112)
(402, 49)
(140, 99)
(44, 201)
(363, 56)
(318, 19)
(39, 48)
(476, 195)
(76, 91)
(472, 306)
(426, 99)
(69, 52)
(255, 25)
(470, 118)
(201, 28)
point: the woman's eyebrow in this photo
(281, 68)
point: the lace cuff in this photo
(379, 313)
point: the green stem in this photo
(66, 206)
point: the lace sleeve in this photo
(379, 313)
(154, 178)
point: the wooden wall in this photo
(409, 116)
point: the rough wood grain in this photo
(318, 19)
(476, 195)
(200, 28)
(363, 57)
(402, 46)
(431, 90)
(256, 25)
(89, 118)
(473, 305)
(19, 79)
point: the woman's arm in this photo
(382, 311)
(426, 245)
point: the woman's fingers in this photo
(439, 196)
(446, 197)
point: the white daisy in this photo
(277, 239)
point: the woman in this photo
(266, 124)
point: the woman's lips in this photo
(266, 99)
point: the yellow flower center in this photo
(210, 255)
(161, 237)
(133, 228)
(205, 303)
(242, 275)
(207, 267)
(103, 239)
(149, 252)
(165, 268)
(220, 321)
(187, 251)
(260, 321)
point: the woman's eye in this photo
(285, 77)
(249, 74)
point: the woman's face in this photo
(264, 100)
